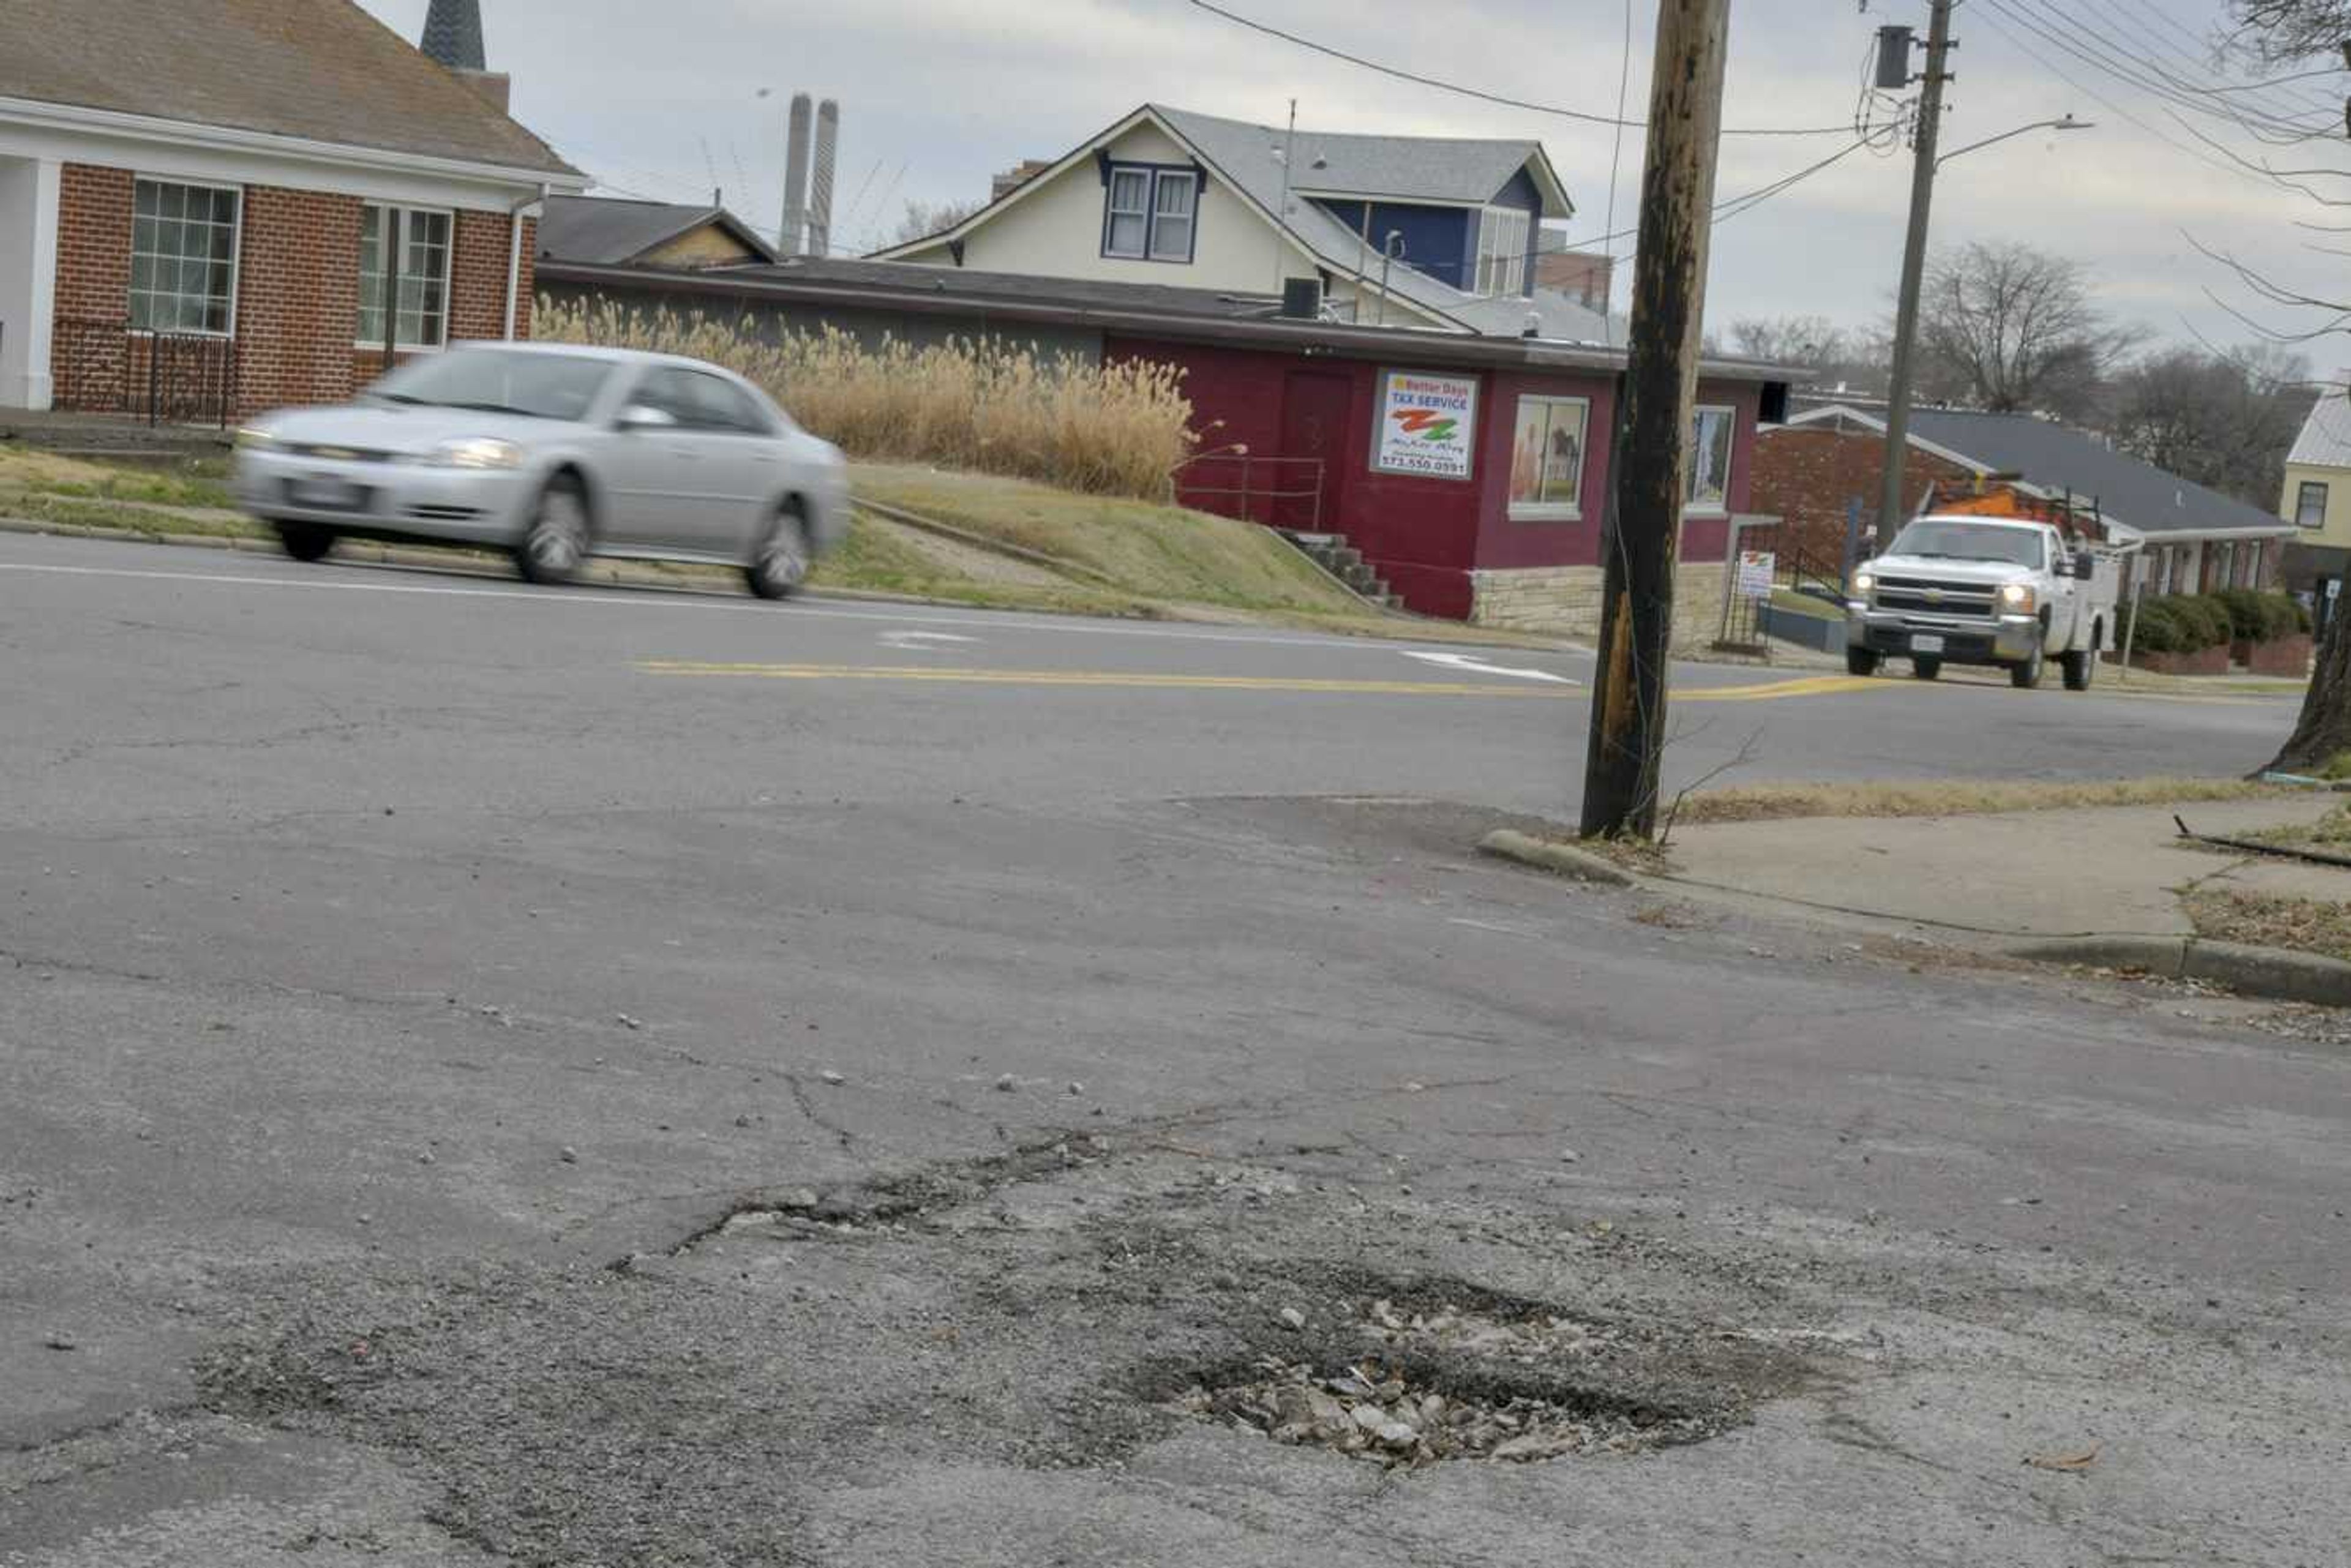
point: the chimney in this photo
(1020, 174)
(827, 136)
(794, 241)
(452, 36)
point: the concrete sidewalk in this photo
(2098, 871)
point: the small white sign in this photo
(1427, 424)
(1756, 569)
(2333, 587)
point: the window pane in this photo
(1710, 460)
(1170, 239)
(143, 198)
(1126, 190)
(1175, 195)
(1562, 460)
(2310, 504)
(1126, 234)
(171, 200)
(1527, 448)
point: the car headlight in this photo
(1863, 582)
(2016, 596)
(478, 452)
(252, 438)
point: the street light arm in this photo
(2067, 123)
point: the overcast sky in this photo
(673, 100)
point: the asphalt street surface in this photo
(492, 1074)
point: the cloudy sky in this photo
(672, 100)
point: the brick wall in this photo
(296, 292)
(1806, 474)
(297, 297)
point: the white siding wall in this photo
(28, 270)
(1056, 231)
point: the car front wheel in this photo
(305, 541)
(779, 565)
(1860, 660)
(557, 539)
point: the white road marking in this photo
(1477, 666)
(661, 599)
(918, 641)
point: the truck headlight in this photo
(252, 438)
(1863, 582)
(480, 452)
(2017, 596)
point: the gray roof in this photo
(323, 70)
(2128, 491)
(2325, 438)
(607, 232)
(1009, 286)
(1241, 154)
(1400, 168)
(453, 34)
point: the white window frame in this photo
(235, 253)
(1190, 181)
(404, 211)
(1550, 511)
(1113, 211)
(1500, 272)
(2302, 502)
(1691, 505)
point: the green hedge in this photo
(2256, 617)
(2179, 624)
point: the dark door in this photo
(1314, 409)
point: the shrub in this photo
(2180, 623)
(2218, 627)
(2248, 615)
(981, 404)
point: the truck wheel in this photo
(2026, 675)
(1861, 660)
(1926, 669)
(2079, 666)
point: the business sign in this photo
(1426, 424)
(1756, 568)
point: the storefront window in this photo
(1709, 461)
(1546, 457)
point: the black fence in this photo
(99, 366)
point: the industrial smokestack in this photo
(794, 239)
(828, 134)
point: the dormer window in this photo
(1150, 213)
(1501, 251)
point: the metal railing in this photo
(1232, 483)
(103, 366)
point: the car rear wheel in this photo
(1861, 660)
(305, 541)
(557, 539)
(2026, 675)
(1926, 669)
(779, 565)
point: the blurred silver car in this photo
(555, 452)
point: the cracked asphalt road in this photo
(401, 992)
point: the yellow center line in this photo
(1806, 686)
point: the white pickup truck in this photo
(1957, 589)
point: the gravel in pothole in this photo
(1451, 1383)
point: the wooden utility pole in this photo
(1652, 424)
(1914, 263)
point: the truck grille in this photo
(1928, 596)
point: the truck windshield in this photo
(499, 381)
(1970, 541)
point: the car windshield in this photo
(1970, 541)
(499, 381)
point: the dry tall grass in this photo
(1000, 408)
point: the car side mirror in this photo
(644, 416)
(2085, 566)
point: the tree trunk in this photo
(2324, 730)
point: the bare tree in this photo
(2225, 420)
(2280, 32)
(1807, 341)
(923, 219)
(2005, 327)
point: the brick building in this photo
(218, 206)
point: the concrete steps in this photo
(1342, 561)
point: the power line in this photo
(1748, 200)
(1483, 96)
(2102, 55)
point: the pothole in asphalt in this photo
(1505, 1382)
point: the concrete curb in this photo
(2275, 973)
(1561, 859)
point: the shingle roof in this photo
(2325, 438)
(323, 70)
(1011, 286)
(2134, 493)
(1403, 168)
(607, 232)
(1243, 154)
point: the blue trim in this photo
(1156, 171)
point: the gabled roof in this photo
(2325, 438)
(1397, 168)
(2053, 457)
(320, 70)
(1239, 155)
(609, 232)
